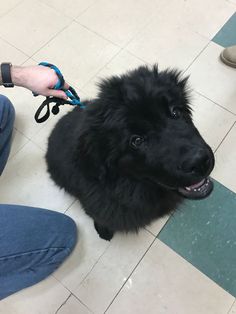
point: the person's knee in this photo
(7, 112)
(69, 233)
(72, 232)
(4, 101)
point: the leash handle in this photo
(73, 97)
(60, 83)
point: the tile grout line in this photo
(94, 32)
(214, 102)
(75, 296)
(75, 200)
(11, 9)
(231, 306)
(13, 46)
(63, 303)
(28, 140)
(53, 37)
(85, 10)
(70, 17)
(129, 275)
(71, 293)
(122, 48)
(225, 137)
(149, 22)
(156, 235)
(92, 268)
(100, 69)
(13, 155)
(134, 55)
(99, 258)
(191, 63)
(97, 34)
(104, 66)
(150, 232)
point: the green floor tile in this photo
(204, 233)
(226, 37)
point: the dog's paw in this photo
(103, 232)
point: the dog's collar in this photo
(73, 98)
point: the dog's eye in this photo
(136, 141)
(175, 113)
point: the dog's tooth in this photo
(195, 190)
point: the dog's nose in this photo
(198, 163)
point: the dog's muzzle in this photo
(199, 190)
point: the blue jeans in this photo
(33, 241)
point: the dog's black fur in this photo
(127, 153)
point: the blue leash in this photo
(73, 98)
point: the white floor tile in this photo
(119, 21)
(6, 6)
(43, 298)
(25, 181)
(11, 54)
(165, 283)
(121, 63)
(86, 253)
(73, 306)
(18, 141)
(225, 167)
(192, 14)
(86, 51)
(168, 44)
(156, 226)
(212, 121)
(25, 106)
(210, 77)
(30, 25)
(233, 309)
(232, 1)
(41, 138)
(112, 270)
(72, 9)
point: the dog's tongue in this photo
(198, 190)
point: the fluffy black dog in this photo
(134, 153)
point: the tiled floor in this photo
(191, 266)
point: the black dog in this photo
(134, 153)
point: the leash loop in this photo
(73, 98)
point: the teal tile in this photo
(204, 233)
(226, 37)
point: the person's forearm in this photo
(17, 75)
(38, 79)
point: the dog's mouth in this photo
(198, 190)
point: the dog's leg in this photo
(103, 232)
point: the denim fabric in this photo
(33, 241)
(7, 117)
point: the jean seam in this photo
(3, 258)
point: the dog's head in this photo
(141, 126)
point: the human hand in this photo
(39, 79)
